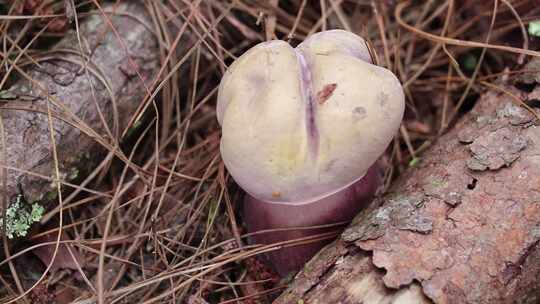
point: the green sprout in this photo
(470, 62)
(19, 217)
(414, 161)
(534, 28)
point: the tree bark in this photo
(91, 97)
(461, 227)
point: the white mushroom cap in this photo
(302, 123)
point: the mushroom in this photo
(302, 130)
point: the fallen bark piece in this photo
(90, 97)
(464, 225)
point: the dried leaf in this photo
(64, 259)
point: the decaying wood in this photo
(464, 225)
(91, 98)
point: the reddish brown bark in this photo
(464, 224)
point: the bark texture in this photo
(110, 85)
(464, 225)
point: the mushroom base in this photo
(342, 206)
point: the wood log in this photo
(93, 82)
(461, 227)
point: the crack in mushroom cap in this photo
(281, 141)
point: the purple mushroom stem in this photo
(339, 207)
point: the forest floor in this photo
(154, 217)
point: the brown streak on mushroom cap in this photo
(326, 92)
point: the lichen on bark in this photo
(79, 89)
